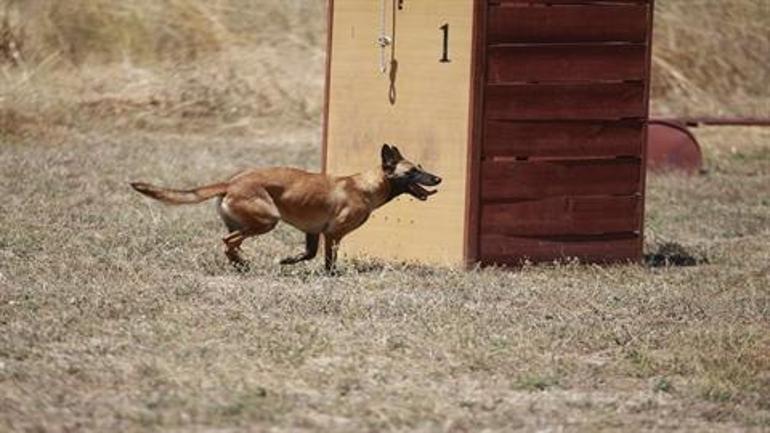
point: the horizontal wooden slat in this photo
(563, 216)
(518, 23)
(574, 62)
(564, 2)
(516, 180)
(563, 139)
(509, 250)
(565, 101)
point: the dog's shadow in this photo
(353, 267)
(673, 254)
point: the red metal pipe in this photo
(670, 145)
(720, 121)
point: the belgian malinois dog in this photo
(253, 201)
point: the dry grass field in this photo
(120, 314)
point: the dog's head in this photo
(406, 176)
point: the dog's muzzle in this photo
(420, 193)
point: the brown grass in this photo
(119, 314)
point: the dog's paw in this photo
(241, 266)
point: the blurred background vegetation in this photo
(240, 65)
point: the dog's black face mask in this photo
(405, 176)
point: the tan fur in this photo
(253, 201)
(175, 196)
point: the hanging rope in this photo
(384, 41)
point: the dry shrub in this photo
(227, 65)
(711, 58)
(241, 65)
(148, 31)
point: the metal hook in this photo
(384, 41)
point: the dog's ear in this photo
(389, 158)
(396, 153)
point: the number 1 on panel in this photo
(445, 56)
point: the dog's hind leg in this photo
(246, 217)
(311, 249)
(233, 243)
(224, 213)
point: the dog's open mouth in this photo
(419, 192)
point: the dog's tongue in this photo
(420, 192)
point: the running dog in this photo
(253, 201)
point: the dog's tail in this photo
(176, 196)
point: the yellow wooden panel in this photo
(428, 120)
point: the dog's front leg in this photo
(311, 249)
(331, 245)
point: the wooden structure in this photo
(532, 111)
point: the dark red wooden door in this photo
(565, 102)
